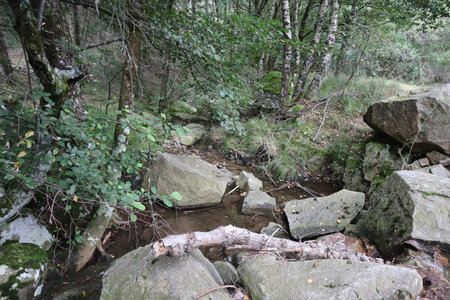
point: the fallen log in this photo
(239, 238)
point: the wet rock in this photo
(409, 205)
(198, 182)
(258, 202)
(435, 157)
(227, 272)
(315, 163)
(26, 230)
(248, 182)
(195, 133)
(328, 279)
(420, 119)
(138, 275)
(22, 271)
(274, 227)
(318, 216)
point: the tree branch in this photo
(103, 43)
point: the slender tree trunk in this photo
(296, 65)
(322, 71)
(306, 13)
(263, 55)
(5, 63)
(315, 42)
(58, 72)
(349, 20)
(287, 53)
(76, 25)
(99, 223)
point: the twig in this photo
(231, 191)
(102, 43)
(215, 289)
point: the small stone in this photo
(274, 227)
(423, 162)
(248, 182)
(435, 157)
(258, 202)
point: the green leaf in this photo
(133, 217)
(138, 205)
(151, 138)
(176, 196)
(55, 151)
(154, 191)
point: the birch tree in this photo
(325, 63)
(287, 53)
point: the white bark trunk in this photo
(238, 238)
(287, 53)
(314, 87)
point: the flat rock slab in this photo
(258, 202)
(322, 215)
(198, 182)
(138, 275)
(328, 279)
(409, 205)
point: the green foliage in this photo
(271, 83)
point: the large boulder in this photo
(139, 275)
(258, 202)
(322, 215)
(328, 279)
(187, 112)
(22, 271)
(421, 119)
(26, 230)
(198, 182)
(409, 205)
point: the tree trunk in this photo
(76, 26)
(99, 223)
(58, 72)
(287, 53)
(5, 63)
(296, 66)
(322, 71)
(315, 42)
(349, 20)
(263, 55)
(235, 237)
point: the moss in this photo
(19, 257)
(353, 163)
(272, 83)
(16, 255)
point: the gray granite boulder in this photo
(198, 182)
(409, 205)
(138, 275)
(248, 182)
(435, 157)
(421, 119)
(258, 202)
(26, 230)
(318, 216)
(327, 279)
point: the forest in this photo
(198, 149)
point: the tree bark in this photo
(322, 71)
(59, 73)
(296, 65)
(311, 57)
(76, 26)
(235, 237)
(5, 63)
(263, 55)
(285, 78)
(97, 226)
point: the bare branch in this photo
(103, 43)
